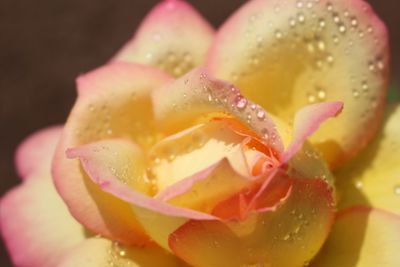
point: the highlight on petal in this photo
(36, 152)
(95, 252)
(362, 237)
(198, 97)
(297, 228)
(307, 121)
(113, 102)
(285, 55)
(373, 177)
(173, 37)
(36, 225)
(193, 151)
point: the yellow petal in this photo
(373, 178)
(173, 37)
(288, 236)
(95, 252)
(362, 237)
(286, 54)
(113, 102)
(189, 152)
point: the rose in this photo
(219, 188)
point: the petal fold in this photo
(173, 37)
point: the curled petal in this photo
(173, 37)
(37, 151)
(113, 102)
(198, 96)
(109, 177)
(307, 121)
(375, 238)
(36, 225)
(285, 55)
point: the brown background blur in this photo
(45, 44)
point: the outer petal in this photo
(36, 225)
(297, 228)
(173, 37)
(373, 178)
(96, 252)
(197, 96)
(362, 237)
(36, 152)
(113, 102)
(286, 54)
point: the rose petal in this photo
(113, 102)
(96, 252)
(287, 55)
(362, 237)
(173, 37)
(198, 96)
(307, 121)
(36, 225)
(373, 178)
(109, 176)
(297, 228)
(36, 152)
(187, 153)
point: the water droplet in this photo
(397, 190)
(354, 22)
(380, 64)
(322, 23)
(321, 45)
(286, 237)
(241, 102)
(336, 18)
(365, 86)
(299, 4)
(356, 93)
(278, 34)
(321, 94)
(265, 133)
(342, 28)
(370, 29)
(301, 18)
(261, 114)
(329, 6)
(292, 22)
(210, 98)
(311, 99)
(359, 184)
(335, 39)
(330, 59)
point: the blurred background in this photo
(45, 44)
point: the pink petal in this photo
(36, 152)
(36, 225)
(307, 121)
(173, 37)
(110, 98)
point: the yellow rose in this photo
(163, 162)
